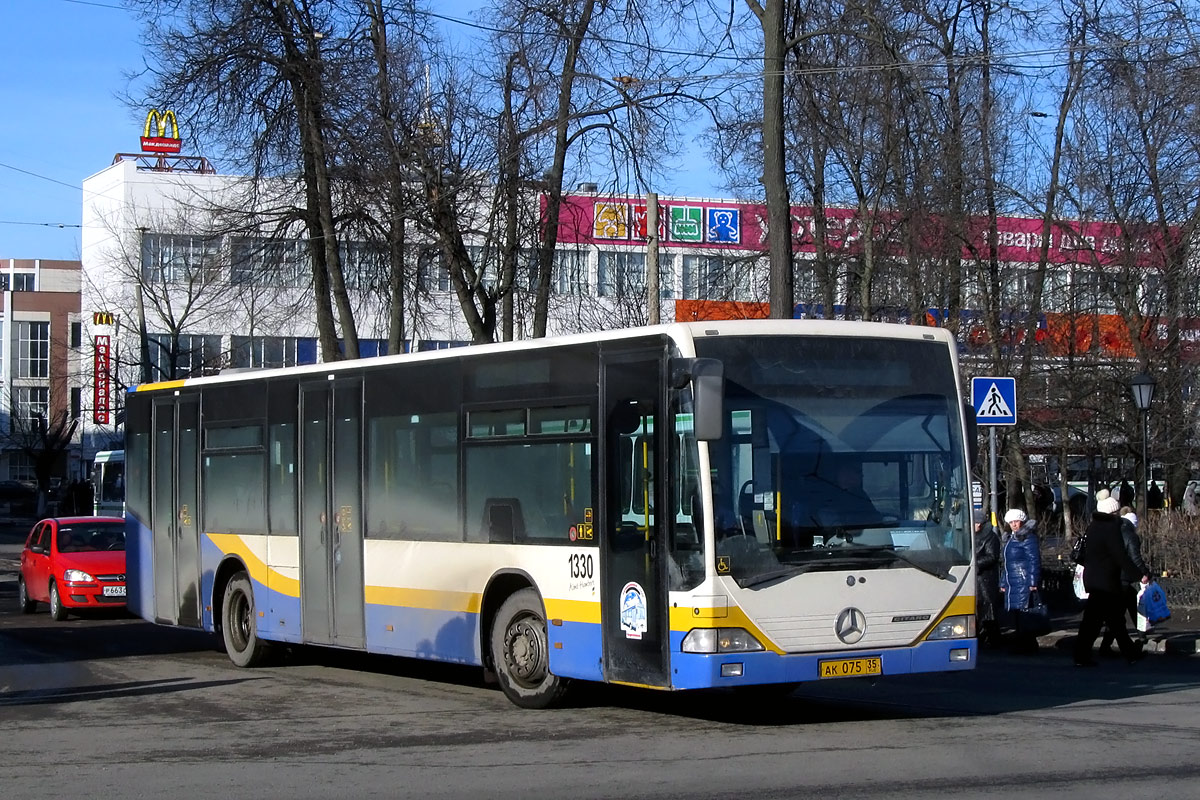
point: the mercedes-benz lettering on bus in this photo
(678, 507)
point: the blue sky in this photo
(61, 76)
(62, 121)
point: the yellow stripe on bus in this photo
(232, 544)
(428, 599)
(150, 387)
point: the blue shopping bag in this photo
(1151, 606)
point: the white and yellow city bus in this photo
(497, 506)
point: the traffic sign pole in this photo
(995, 487)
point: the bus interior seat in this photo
(502, 520)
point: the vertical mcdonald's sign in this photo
(161, 143)
(100, 399)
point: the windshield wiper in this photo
(940, 570)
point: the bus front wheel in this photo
(521, 653)
(238, 624)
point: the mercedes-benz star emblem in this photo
(851, 625)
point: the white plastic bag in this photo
(1077, 583)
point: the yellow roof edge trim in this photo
(149, 387)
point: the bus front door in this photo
(331, 547)
(174, 510)
(634, 597)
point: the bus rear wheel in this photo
(238, 624)
(521, 653)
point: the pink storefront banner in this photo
(726, 225)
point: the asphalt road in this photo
(113, 706)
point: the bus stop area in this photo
(1180, 635)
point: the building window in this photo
(76, 334)
(31, 406)
(188, 356)
(268, 262)
(364, 264)
(621, 273)
(568, 273)
(20, 466)
(263, 351)
(716, 278)
(180, 259)
(33, 349)
(23, 281)
(432, 271)
(76, 403)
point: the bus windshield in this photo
(837, 451)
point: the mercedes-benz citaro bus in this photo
(686, 506)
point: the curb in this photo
(1182, 643)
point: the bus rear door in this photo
(175, 510)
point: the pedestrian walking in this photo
(987, 580)
(1154, 496)
(1104, 558)
(1020, 575)
(1131, 579)
(1125, 494)
(1190, 505)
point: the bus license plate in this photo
(851, 667)
(114, 591)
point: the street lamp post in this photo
(1142, 387)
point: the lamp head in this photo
(1142, 388)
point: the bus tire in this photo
(521, 652)
(238, 627)
(57, 612)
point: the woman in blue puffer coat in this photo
(1021, 570)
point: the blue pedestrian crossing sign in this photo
(995, 400)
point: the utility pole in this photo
(652, 256)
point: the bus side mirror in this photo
(708, 394)
(972, 433)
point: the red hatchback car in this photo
(73, 563)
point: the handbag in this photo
(1034, 620)
(1079, 549)
(1151, 606)
(1077, 583)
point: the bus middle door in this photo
(634, 596)
(331, 546)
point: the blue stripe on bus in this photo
(698, 671)
(139, 569)
(423, 633)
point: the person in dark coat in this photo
(1103, 560)
(1131, 580)
(987, 580)
(1021, 569)
(1154, 496)
(1125, 494)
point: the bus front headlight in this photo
(959, 627)
(720, 640)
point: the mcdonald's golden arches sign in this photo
(159, 121)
